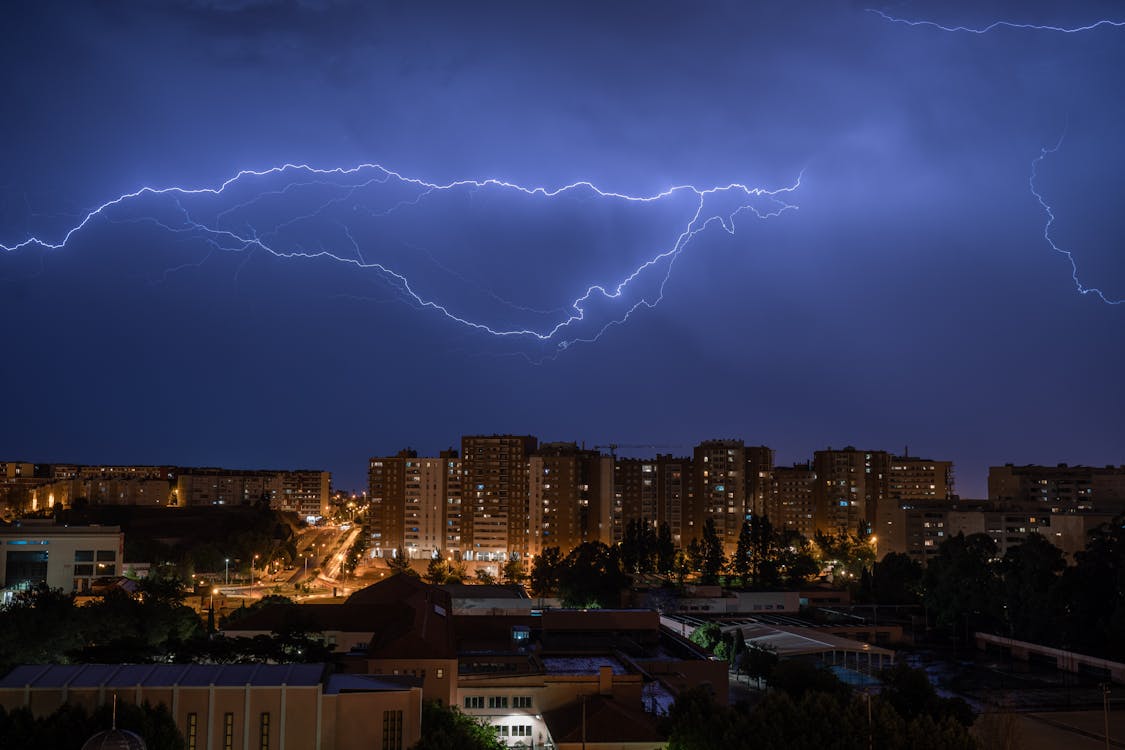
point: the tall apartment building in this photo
(565, 498)
(386, 493)
(912, 482)
(791, 504)
(675, 478)
(431, 505)
(1059, 488)
(850, 486)
(495, 511)
(303, 492)
(731, 480)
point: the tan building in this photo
(731, 481)
(565, 498)
(238, 706)
(300, 491)
(850, 486)
(415, 504)
(791, 504)
(912, 482)
(495, 519)
(1059, 488)
(675, 478)
(512, 666)
(70, 558)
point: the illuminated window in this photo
(192, 732)
(264, 731)
(228, 731)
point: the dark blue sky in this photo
(910, 299)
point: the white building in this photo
(64, 557)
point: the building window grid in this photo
(392, 730)
(264, 732)
(192, 731)
(228, 731)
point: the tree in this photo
(484, 577)
(398, 562)
(545, 572)
(796, 562)
(707, 635)
(911, 694)
(665, 550)
(758, 662)
(446, 728)
(712, 559)
(1030, 573)
(71, 725)
(1094, 589)
(896, 579)
(513, 572)
(437, 571)
(38, 627)
(591, 576)
(740, 564)
(962, 587)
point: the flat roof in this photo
(161, 675)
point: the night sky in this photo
(908, 296)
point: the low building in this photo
(228, 706)
(70, 558)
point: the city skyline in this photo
(805, 226)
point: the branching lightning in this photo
(1082, 289)
(999, 25)
(712, 205)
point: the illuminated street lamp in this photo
(226, 570)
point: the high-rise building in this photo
(386, 492)
(415, 504)
(730, 485)
(675, 494)
(1059, 488)
(495, 520)
(912, 483)
(791, 504)
(565, 500)
(850, 485)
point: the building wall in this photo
(850, 486)
(495, 495)
(74, 556)
(299, 718)
(791, 503)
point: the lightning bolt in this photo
(561, 333)
(998, 25)
(1082, 289)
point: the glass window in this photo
(107, 555)
(84, 555)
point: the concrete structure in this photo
(1067, 661)
(300, 491)
(416, 504)
(851, 485)
(565, 498)
(238, 706)
(495, 514)
(65, 557)
(510, 665)
(1059, 488)
(731, 482)
(791, 503)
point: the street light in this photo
(226, 569)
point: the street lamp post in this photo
(226, 570)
